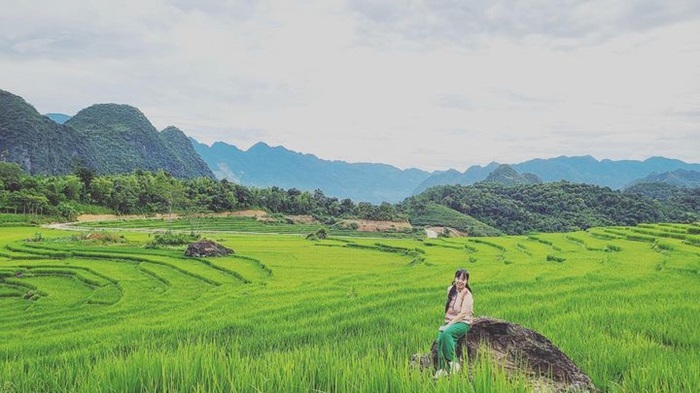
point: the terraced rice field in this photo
(339, 315)
(234, 224)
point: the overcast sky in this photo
(432, 84)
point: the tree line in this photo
(145, 192)
(548, 207)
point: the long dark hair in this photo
(453, 290)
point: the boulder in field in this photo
(519, 351)
(207, 248)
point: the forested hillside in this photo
(124, 140)
(681, 204)
(36, 143)
(105, 138)
(557, 207)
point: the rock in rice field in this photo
(207, 248)
(520, 351)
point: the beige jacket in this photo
(461, 308)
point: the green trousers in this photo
(447, 342)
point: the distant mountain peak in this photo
(174, 131)
(506, 175)
(117, 117)
(59, 118)
(263, 147)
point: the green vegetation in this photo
(105, 138)
(434, 214)
(170, 238)
(676, 202)
(145, 192)
(287, 314)
(556, 207)
(40, 145)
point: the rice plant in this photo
(341, 315)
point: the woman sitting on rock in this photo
(459, 315)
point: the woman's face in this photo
(460, 281)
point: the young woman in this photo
(459, 315)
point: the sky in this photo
(434, 84)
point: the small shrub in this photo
(555, 258)
(104, 237)
(612, 247)
(38, 237)
(170, 238)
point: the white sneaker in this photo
(455, 367)
(441, 373)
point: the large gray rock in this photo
(207, 248)
(517, 350)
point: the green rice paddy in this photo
(338, 315)
(234, 224)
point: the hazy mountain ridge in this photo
(266, 166)
(585, 169)
(108, 138)
(678, 177)
(59, 118)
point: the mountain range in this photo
(583, 169)
(111, 138)
(266, 166)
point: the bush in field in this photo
(172, 239)
(38, 237)
(318, 235)
(104, 237)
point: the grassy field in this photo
(343, 314)
(236, 224)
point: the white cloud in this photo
(432, 85)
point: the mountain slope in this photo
(182, 151)
(679, 177)
(36, 143)
(107, 138)
(548, 207)
(124, 140)
(266, 166)
(434, 214)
